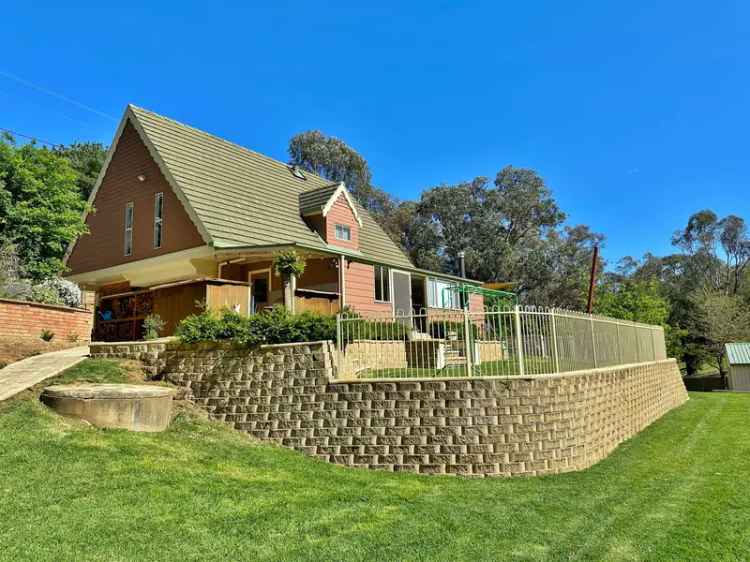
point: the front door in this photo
(401, 293)
(259, 290)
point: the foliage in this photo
(287, 263)
(152, 326)
(334, 160)
(638, 301)
(275, 326)
(509, 231)
(41, 210)
(47, 335)
(87, 159)
(66, 292)
(725, 319)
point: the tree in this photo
(509, 231)
(87, 159)
(333, 159)
(726, 319)
(716, 251)
(41, 209)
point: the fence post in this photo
(468, 345)
(339, 347)
(519, 340)
(619, 344)
(593, 341)
(554, 341)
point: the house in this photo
(183, 219)
(738, 357)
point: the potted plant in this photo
(289, 265)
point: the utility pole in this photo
(592, 281)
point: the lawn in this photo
(500, 368)
(200, 491)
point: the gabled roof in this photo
(320, 200)
(240, 198)
(738, 353)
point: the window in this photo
(129, 229)
(343, 232)
(440, 295)
(158, 219)
(382, 284)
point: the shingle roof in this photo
(242, 198)
(314, 200)
(738, 353)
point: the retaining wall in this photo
(470, 426)
(21, 319)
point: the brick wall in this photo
(473, 427)
(19, 319)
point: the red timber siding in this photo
(27, 320)
(341, 213)
(104, 245)
(359, 283)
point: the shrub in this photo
(275, 326)
(47, 335)
(67, 292)
(152, 325)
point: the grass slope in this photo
(200, 491)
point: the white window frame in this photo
(158, 220)
(344, 229)
(128, 231)
(435, 295)
(383, 278)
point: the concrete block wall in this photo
(469, 426)
(21, 319)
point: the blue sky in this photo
(636, 114)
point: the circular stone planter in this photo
(127, 406)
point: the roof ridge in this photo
(230, 143)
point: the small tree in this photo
(289, 265)
(725, 319)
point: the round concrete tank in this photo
(125, 406)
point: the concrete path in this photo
(21, 375)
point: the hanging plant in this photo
(288, 263)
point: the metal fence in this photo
(518, 341)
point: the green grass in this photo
(501, 368)
(200, 491)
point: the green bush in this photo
(152, 325)
(275, 326)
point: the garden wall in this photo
(471, 426)
(20, 319)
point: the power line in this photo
(37, 139)
(56, 95)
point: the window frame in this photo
(435, 295)
(344, 229)
(128, 230)
(158, 220)
(384, 281)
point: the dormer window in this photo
(343, 232)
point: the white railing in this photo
(518, 341)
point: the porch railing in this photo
(518, 341)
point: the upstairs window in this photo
(382, 284)
(442, 294)
(129, 209)
(158, 219)
(343, 232)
